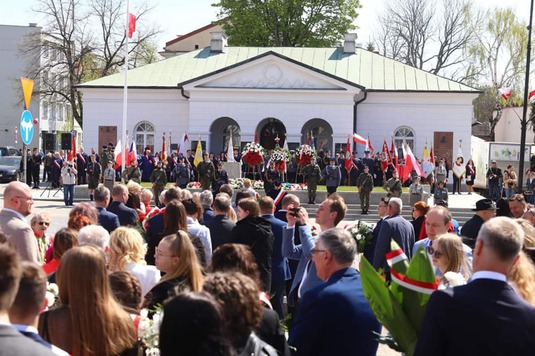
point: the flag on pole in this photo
(427, 166)
(307, 142)
(131, 24)
(505, 93)
(394, 155)
(387, 159)
(410, 162)
(458, 166)
(369, 146)
(230, 149)
(198, 153)
(432, 155)
(132, 152)
(117, 154)
(182, 146)
(359, 139)
(348, 161)
(72, 152)
(163, 156)
(285, 146)
(531, 95)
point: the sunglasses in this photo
(433, 252)
(44, 223)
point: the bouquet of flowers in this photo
(193, 185)
(258, 184)
(149, 331)
(294, 186)
(253, 154)
(280, 158)
(304, 153)
(236, 183)
(400, 305)
(52, 295)
(362, 233)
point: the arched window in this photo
(144, 134)
(236, 136)
(403, 133)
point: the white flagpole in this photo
(125, 95)
(230, 149)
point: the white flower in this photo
(454, 278)
(50, 299)
(53, 288)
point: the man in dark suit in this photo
(280, 271)
(220, 226)
(25, 310)
(485, 316)
(127, 216)
(11, 341)
(394, 227)
(335, 317)
(485, 209)
(106, 219)
(382, 210)
(207, 199)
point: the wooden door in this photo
(443, 146)
(106, 134)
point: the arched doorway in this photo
(220, 133)
(270, 129)
(319, 132)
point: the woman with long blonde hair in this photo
(447, 255)
(127, 252)
(90, 321)
(176, 256)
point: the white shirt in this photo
(203, 233)
(489, 275)
(148, 276)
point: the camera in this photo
(295, 211)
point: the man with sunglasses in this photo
(437, 221)
(18, 203)
(485, 316)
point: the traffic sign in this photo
(26, 127)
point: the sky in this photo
(182, 16)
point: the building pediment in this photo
(272, 71)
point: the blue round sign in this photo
(26, 127)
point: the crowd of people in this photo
(228, 267)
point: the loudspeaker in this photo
(66, 141)
(49, 141)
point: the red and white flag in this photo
(359, 139)
(531, 95)
(394, 155)
(410, 163)
(348, 161)
(132, 153)
(131, 24)
(387, 159)
(182, 146)
(505, 93)
(369, 146)
(117, 153)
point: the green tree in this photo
(288, 23)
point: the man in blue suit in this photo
(335, 317)
(485, 316)
(280, 271)
(127, 216)
(106, 219)
(394, 227)
(382, 210)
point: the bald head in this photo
(18, 197)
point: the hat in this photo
(484, 204)
(366, 151)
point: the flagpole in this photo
(125, 94)
(524, 121)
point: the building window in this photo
(403, 133)
(236, 136)
(144, 134)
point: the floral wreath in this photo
(253, 154)
(280, 158)
(304, 153)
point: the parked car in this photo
(9, 168)
(9, 151)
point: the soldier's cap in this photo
(104, 146)
(367, 151)
(366, 167)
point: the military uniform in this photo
(394, 187)
(365, 185)
(312, 175)
(132, 173)
(206, 172)
(158, 179)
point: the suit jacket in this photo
(107, 220)
(471, 229)
(208, 214)
(336, 319)
(19, 235)
(14, 343)
(484, 317)
(369, 249)
(153, 236)
(397, 228)
(280, 271)
(220, 230)
(127, 216)
(301, 253)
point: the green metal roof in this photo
(364, 68)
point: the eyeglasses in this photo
(317, 251)
(433, 252)
(44, 223)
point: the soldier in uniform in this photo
(132, 172)
(393, 185)
(94, 172)
(158, 179)
(365, 185)
(181, 173)
(206, 172)
(368, 161)
(312, 175)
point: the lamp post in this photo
(524, 122)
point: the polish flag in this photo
(359, 139)
(182, 148)
(132, 153)
(505, 93)
(410, 163)
(348, 162)
(394, 156)
(117, 153)
(369, 145)
(531, 95)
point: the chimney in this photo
(218, 42)
(350, 44)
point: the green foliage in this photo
(287, 23)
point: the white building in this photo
(289, 92)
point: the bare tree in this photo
(81, 40)
(426, 35)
